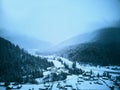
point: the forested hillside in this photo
(17, 65)
(103, 50)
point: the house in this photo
(80, 79)
(95, 78)
(14, 86)
(105, 78)
(60, 86)
(86, 74)
(62, 69)
(98, 82)
(86, 78)
(113, 78)
(80, 76)
(68, 87)
(2, 84)
(51, 68)
(47, 85)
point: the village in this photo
(66, 75)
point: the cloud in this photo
(57, 20)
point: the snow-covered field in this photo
(74, 82)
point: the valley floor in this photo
(85, 81)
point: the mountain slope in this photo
(79, 39)
(108, 35)
(103, 50)
(16, 63)
(26, 42)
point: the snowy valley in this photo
(92, 65)
(67, 75)
(59, 44)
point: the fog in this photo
(57, 20)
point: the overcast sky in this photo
(57, 20)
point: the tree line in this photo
(17, 65)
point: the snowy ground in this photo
(72, 80)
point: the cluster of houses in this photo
(86, 76)
(12, 85)
(98, 79)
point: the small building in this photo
(86, 74)
(86, 78)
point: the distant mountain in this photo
(26, 42)
(79, 39)
(16, 65)
(103, 49)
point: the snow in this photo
(39, 80)
(56, 63)
(76, 81)
(30, 87)
(72, 80)
(46, 73)
(97, 69)
(86, 85)
(2, 88)
(66, 61)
